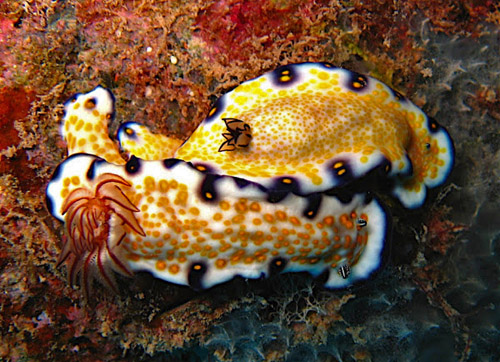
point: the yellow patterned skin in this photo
(139, 141)
(201, 229)
(262, 185)
(324, 127)
(85, 125)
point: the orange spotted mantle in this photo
(201, 229)
(317, 126)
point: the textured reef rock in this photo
(437, 297)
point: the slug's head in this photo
(137, 140)
(431, 152)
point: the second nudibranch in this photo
(316, 126)
(202, 229)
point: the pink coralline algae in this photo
(243, 26)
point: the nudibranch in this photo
(136, 139)
(262, 186)
(85, 125)
(311, 127)
(200, 229)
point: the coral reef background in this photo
(438, 297)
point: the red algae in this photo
(243, 26)
(15, 104)
(6, 27)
